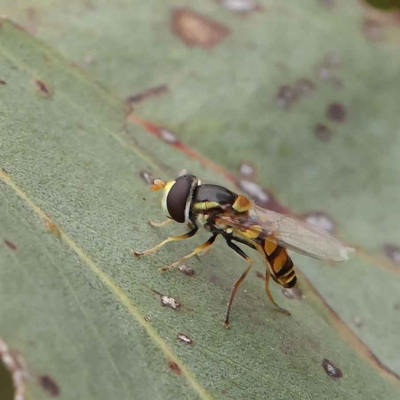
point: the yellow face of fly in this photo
(158, 185)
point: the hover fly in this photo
(238, 220)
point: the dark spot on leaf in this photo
(260, 275)
(293, 293)
(146, 176)
(186, 270)
(195, 29)
(247, 169)
(372, 29)
(305, 87)
(286, 96)
(327, 3)
(322, 132)
(241, 6)
(393, 253)
(10, 245)
(168, 301)
(331, 370)
(49, 385)
(2, 82)
(42, 89)
(155, 91)
(173, 366)
(53, 229)
(320, 219)
(184, 338)
(336, 112)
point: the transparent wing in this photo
(290, 233)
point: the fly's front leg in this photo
(236, 285)
(197, 250)
(170, 239)
(159, 224)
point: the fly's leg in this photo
(236, 285)
(206, 245)
(170, 239)
(159, 224)
(269, 294)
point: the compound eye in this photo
(178, 197)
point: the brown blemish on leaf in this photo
(286, 96)
(392, 252)
(53, 228)
(49, 385)
(336, 112)
(10, 245)
(305, 87)
(184, 338)
(174, 367)
(186, 270)
(42, 89)
(345, 332)
(322, 132)
(146, 176)
(259, 275)
(152, 92)
(372, 29)
(241, 6)
(331, 370)
(2, 82)
(195, 29)
(326, 70)
(15, 364)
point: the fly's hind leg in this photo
(170, 239)
(236, 285)
(198, 250)
(269, 294)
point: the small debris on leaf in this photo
(147, 318)
(49, 385)
(260, 275)
(254, 190)
(167, 136)
(186, 270)
(321, 220)
(168, 301)
(247, 169)
(2, 82)
(241, 6)
(331, 370)
(293, 293)
(184, 338)
(305, 87)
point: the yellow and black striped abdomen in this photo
(280, 264)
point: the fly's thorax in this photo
(178, 196)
